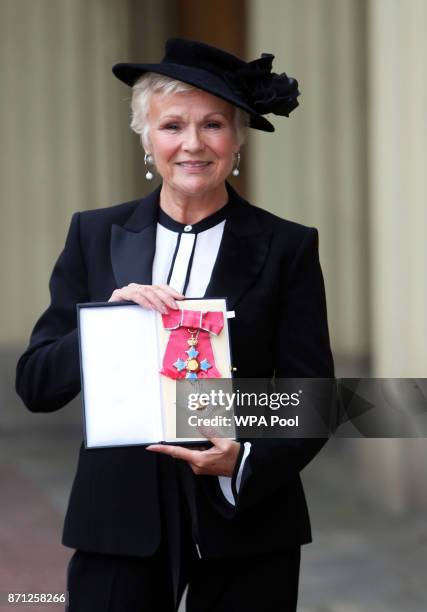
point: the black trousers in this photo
(108, 583)
(112, 583)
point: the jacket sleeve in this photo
(302, 350)
(48, 373)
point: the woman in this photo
(228, 520)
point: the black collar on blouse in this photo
(219, 215)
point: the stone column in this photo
(312, 170)
(398, 185)
(397, 139)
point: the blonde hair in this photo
(151, 83)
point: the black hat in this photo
(249, 85)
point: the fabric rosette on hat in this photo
(266, 91)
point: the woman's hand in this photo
(153, 297)
(219, 460)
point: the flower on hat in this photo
(265, 91)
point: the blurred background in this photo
(351, 161)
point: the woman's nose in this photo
(192, 141)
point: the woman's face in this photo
(193, 140)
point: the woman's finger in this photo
(167, 298)
(116, 296)
(177, 452)
(153, 297)
(176, 294)
(130, 294)
(141, 295)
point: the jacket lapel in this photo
(132, 246)
(242, 254)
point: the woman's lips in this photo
(194, 165)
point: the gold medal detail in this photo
(192, 365)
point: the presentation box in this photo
(126, 400)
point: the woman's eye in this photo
(171, 126)
(213, 125)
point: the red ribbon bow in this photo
(181, 360)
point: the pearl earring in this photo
(148, 159)
(236, 170)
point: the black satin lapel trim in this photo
(132, 246)
(132, 255)
(239, 262)
(146, 213)
(242, 253)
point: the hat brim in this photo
(202, 79)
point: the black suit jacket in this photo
(268, 269)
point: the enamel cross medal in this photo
(192, 364)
